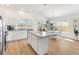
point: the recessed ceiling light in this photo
(30, 10)
(7, 5)
(21, 12)
(21, 9)
(45, 4)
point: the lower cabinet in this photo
(16, 35)
(12, 35)
(40, 45)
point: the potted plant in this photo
(76, 32)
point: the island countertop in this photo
(22, 30)
(42, 34)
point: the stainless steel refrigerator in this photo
(1, 36)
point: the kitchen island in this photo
(39, 41)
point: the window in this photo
(62, 26)
(24, 24)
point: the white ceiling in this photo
(47, 10)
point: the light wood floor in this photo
(55, 47)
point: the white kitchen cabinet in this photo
(16, 35)
(20, 34)
(34, 42)
(29, 38)
(39, 44)
(25, 34)
(39, 41)
(43, 45)
(12, 35)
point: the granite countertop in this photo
(22, 30)
(42, 34)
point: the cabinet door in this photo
(35, 43)
(29, 37)
(15, 35)
(9, 36)
(20, 35)
(42, 45)
(25, 34)
(32, 41)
